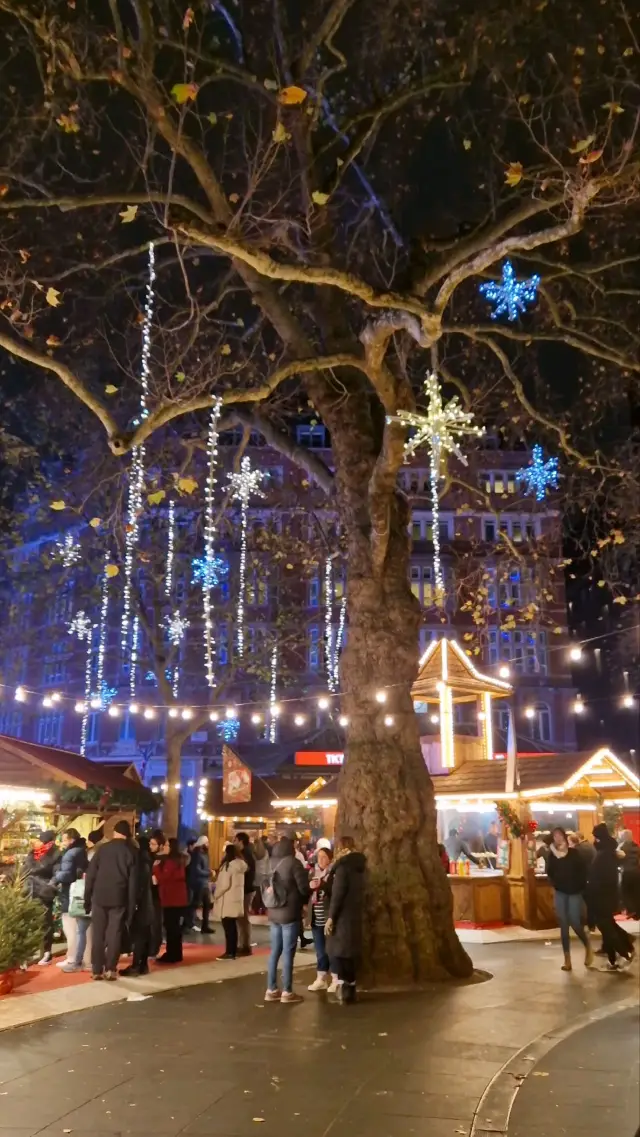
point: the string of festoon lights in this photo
(243, 485)
(129, 630)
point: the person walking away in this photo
(602, 898)
(630, 889)
(566, 870)
(110, 895)
(319, 913)
(284, 894)
(262, 865)
(143, 919)
(243, 846)
(344, 925)
(229, 899)
(38, 870)
(199, 880)
(171, 877)
(71, 866)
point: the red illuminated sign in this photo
(319, 758)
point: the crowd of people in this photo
(127, 895)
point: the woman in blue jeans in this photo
(319, 915)
(566, 870)
(284, 894)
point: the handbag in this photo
(76, 900)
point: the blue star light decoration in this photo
(228, 729)
(509, 295)
(208, 571)
(540, 474)
(106, 695)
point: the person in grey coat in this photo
(344, 926)
(289, 883)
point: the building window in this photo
(127, 728)
(498, 483)
(416, 530)
(93, 728)
(314, 437)
(223, 644)
(314, 592)
(313, 647)
(530, 531)
(541, 723)
(53, 671)
(511, 483)
(50, 729)
(257, 590)
(11, 723)
(60, 607)
(510, 590)
(516, 532)
(422, 584)
(501, 719)
(489, 530)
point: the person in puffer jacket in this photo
(71, 866)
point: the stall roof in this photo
(446, 662)
(26, 764)
(263, 792)
(546, 774)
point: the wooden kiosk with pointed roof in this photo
(448, 676)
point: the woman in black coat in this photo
(37, 874)
(143, 921)
(344, 925)
(602, 897)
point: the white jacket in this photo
(229, 897)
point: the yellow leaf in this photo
(628, 51)
(156, 497)
(53, 341)
(225, 349)
(111, 389)
(513, 173)
(128, 213)
(234, 198)
(184, 92)
(319, 198)
(582, 145)
(111, 570)
(524, 99)
(613, 108)
(557, 631)
(187, 485)
(292, 96)
(57, 505)
(68, 123)
(280, 134)
(212, 118)
(95, 522)
(53, 297)
(619, 600)
(467, 143)
(601, 584)
(592, 156)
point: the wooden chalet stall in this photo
(42, 787)
(572, 790)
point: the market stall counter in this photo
(480, 896)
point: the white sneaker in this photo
(333, 986)
(63, 962)
(46, 959)
(320, 983)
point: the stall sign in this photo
(236, 778)
(319, 758)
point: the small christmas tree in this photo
(21, 927)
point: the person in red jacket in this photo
(170, 874)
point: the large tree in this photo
(326, 188)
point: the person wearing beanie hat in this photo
(602, 898)
(37, 876)
(110, 895)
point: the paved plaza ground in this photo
(214, 1059)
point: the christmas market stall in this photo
(574, 790)
(42, 787)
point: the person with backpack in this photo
(284, 893)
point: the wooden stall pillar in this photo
(216, 842)
(521, 876)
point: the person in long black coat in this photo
(344, 925)
(602, 897)
(142, 928)
(37, 874)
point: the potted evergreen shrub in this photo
(21, 930)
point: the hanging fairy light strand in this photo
(243, 485)
(102, 634)
(68, 550)
(273, 683)
(335, 664)
(328, 621)
(176, 627)
(171, 539)
(440, 429)
(82, 628)
(208, 569)
(136, 473)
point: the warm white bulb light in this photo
(388, 720)
(343, 720)
(628, 701)
(575, 653)
(504, 672)
(187, 713)
(95, 703)
(299, 720)
(133, 708)
(529, 712)
(47, 702)
(255, 719)
(173, 712)
(381, 696)
(80, 708)
(114, 712)
(323, 703)
(214, 716)
(149, 713)
(56, 697)
(434, 719)
(578, 707)
(20, 695)
(230, 713)
(164, 787)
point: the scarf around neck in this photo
(43, 850)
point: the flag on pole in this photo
(236, 778)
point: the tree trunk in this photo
(386, 798)
(171, 807)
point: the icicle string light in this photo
(136, 474)
(243, 485)
(82, 628)
(342, 618)
(328, 621)
(102, 635)
(273, 718)
(540, 475)
(439, 429)
(510, 295)
(68, 550)
(208, 569)
(133, 660)
(171, 537)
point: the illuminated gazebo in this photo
(448, 676)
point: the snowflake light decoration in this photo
(510, 295)
(247, 482)
(440, 429)
(209, 571)
(68, 550)
(540, 474)
(80, 626)
(176, 626)
(243, 485)
(105, 694)
(228, 729)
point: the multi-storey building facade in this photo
(504, 601)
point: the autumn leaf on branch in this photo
(592, 156)
(58, 505)
(319, 198)
(129, 213)
(582, 145)
(111, 570)
(187, 485)
(184, 92)
(513, 173)
(280, 134)
(95, 522)
(156, 497)
(111, 389)
(292, 96)
(53, 297)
